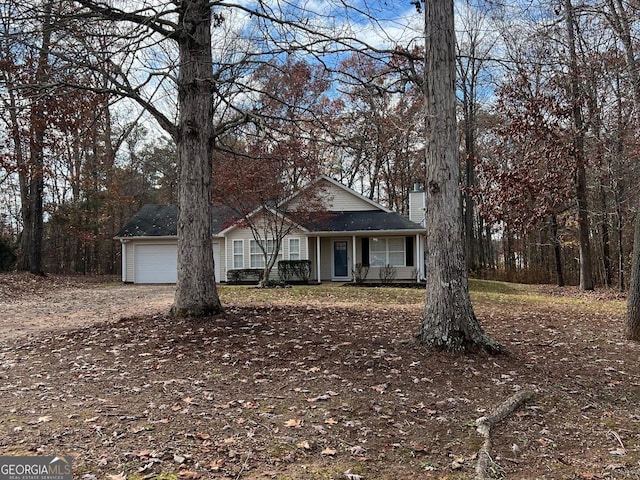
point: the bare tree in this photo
(474, 45)
(576, 98)
(24, 70)
(622, 17)
(165, 52)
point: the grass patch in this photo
(484, 294)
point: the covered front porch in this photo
(345, 258)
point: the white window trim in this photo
(386, 252)
(251, 255)
(234, 254)
(299, 248)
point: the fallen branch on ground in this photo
(486, 423)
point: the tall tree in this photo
(622, 17)
(576, 98)
(448, 322)
(474, 46)
(26, 70)
(213, 93)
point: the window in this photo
(238, 254)
(256, 257)
(294, 249)
(387, 251)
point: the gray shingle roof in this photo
(161, 221)
(362, 221)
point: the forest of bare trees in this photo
(548, 98)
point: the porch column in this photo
(420, 257)
(353, 257)
(318, 258)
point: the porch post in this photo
(420, 257)
(318, 258)
(353, 257)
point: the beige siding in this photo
(222, 270)
(246, 236)
(342, 200)
(130, 265)
(325, 259)
(416, 207)
(339, 199)
(217, 256)
(402, 273)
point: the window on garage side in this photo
(256, 257)
(294, 249)
(238, 254)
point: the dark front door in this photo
(340, 258)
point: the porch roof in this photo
(363, 221)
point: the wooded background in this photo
(548, 95)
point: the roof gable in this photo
(339, 198)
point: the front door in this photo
(340, 259)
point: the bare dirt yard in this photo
(31, 304)
(321, 382)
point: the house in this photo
(356, 230)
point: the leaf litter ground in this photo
(328, 383)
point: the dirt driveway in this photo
(29, 304)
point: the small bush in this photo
(294, 270)
(244, 275)
(387, 274)
(360, 273)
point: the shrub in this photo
(387, 274)
(290, 270)
(360, 273)
(244, 275)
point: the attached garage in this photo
(155, 263)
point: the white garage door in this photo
(156, 263)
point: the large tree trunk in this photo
(448, 322)
(196, 293)
(633, 302)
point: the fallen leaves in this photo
(117, 476)
(188, 475)
(293, 423)
(269, 390)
